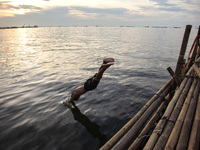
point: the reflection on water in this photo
(90, 126)
(39, 68)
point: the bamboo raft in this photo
(171, 118)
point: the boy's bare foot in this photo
(108, 60)
(107, 64)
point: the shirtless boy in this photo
(91, 83)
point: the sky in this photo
(170, 13)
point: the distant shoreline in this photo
(35, 26)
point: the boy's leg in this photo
(107, 62)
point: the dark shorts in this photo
(90, 84)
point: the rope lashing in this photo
(160, 96)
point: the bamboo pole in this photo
(198, 51)
(126, 127)
(173, 138)
(161, 124)
(186, 128)
(164, 136)
(181, 60)
(195, 133)
(177, 80)
(151, 124)
(126, 139)
(172, 119)
(197, 70)
(194, 54)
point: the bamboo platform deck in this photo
(171, 118)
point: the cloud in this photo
(9, 10)
(174, 10)
(184, 6)
(121, 12)
(82, 14)
(165, 5)
(115, 11)
(189, 5)
(4, 5)
(6, 9)
(162, 2)
(32, 7)
(96, 13)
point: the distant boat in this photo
(35, 26)
(177, 27)
(159, 27)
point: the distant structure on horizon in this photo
(14, 27)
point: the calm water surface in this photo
(39, 68)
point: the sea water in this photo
(40, 67)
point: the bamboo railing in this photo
(171, 118)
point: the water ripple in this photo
(41, 67)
